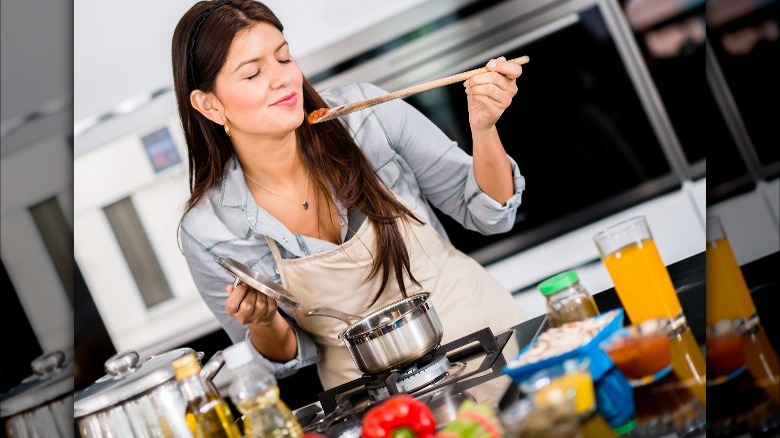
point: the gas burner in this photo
(451, 364)
(344, 417)
(411, 379)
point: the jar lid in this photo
(625, 428)
(51, 379)
(558, 282)
(127, 377)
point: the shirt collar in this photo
(235, 193)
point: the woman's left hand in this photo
(489, 94)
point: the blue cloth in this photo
(409, 153)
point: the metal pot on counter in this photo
(392, 337)
(137, 398)
(42, 404)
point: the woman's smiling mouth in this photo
(288, 100)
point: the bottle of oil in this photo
(207, 414)
(255, 393)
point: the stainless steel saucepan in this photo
(138, 398)
(391, 337)
(41, 405)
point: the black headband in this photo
(193, 40)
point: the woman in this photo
(339, 212)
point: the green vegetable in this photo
(473, 420)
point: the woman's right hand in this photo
(249, 306)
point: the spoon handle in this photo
(324, 114)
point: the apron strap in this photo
(273, 247)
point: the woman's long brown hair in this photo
(334, 160)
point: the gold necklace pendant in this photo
(305, 202)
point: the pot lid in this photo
(127, 377)
(258, 282)
(51, 379)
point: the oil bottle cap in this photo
(558, 282)
(186, 366)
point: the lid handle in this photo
(122, 364)
(49, 363)
(213, 366)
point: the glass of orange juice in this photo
(640, 276)
(646, 291)
(728, 296)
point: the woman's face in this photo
(260, 86)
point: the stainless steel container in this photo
(42, 404)
(391, 337)
(137, 398)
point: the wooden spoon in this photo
(324, 114)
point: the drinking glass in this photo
(728, 298)
(646, 291)
(554, 383)
(525, 418)
(742, 405)
(640, 276)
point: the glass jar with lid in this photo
(567, 299)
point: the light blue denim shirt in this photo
(409, 153)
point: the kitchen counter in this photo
(687, 275)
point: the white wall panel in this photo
(108, 174)
(105, 175)
(107, 275)
(160, 207)
(129, 323)
(749, 224)
(35, 279)
(698, 193)
(28, 176)
(42, 169)
(772, 195)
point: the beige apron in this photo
(464, 295)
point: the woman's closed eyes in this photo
(257, 73)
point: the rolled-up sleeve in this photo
(495, 218)
(443, 171)
(308, 352)
(211, 280)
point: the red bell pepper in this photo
(400, 416)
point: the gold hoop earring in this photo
(227, 129)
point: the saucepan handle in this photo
(333, 313)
